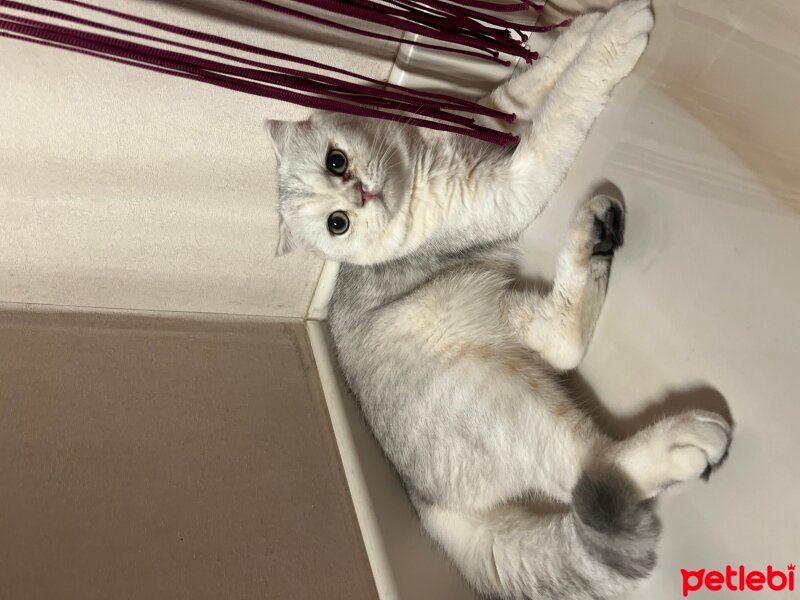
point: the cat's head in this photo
(344, 186)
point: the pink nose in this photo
(366, 195)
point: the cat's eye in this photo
(338, 222)
(336, 162)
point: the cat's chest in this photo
(456, 311)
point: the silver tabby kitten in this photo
(455, 363)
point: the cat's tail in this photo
(601, 547)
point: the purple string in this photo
(75, 42)
(308, 101)
(321, 92)
(524, 5)
(215, 39)
(377, 16)
(368, 93)
(459, 22)
(180, 61)
(487, 54)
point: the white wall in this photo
(122, 188)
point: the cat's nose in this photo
(367, 195)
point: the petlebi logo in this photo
(738, 579)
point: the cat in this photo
(455, 363)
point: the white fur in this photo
(455, 363)
(436, 184)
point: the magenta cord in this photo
(368, 92)
(484, 36)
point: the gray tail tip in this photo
(615, 525)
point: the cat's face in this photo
(344, 187)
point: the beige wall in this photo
(122, 188)
(172, 459)
(166, 455)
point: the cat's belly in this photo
(440, 401)
(448, 388)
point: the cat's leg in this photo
(513, 189)
(673, 450)
(605, 544)
(559, 325)
(522, 93)
(601, 547)
(563, 119)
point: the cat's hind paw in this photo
(677, 449)
(608, 225)
(597, 231)
(701, 436)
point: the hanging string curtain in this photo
(439, 19)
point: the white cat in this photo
(454, 362)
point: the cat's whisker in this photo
(387, 159)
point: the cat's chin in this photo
(371, 257)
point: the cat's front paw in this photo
(622, 34)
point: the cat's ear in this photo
(279, 133)
(286, 241)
